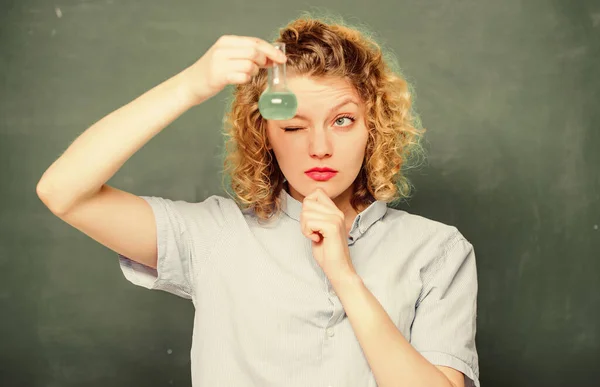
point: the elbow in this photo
(44, 193)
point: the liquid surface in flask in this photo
(278, 105)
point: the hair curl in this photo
(319, 47)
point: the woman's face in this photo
(328, 131)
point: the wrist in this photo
(188, 92)
(348, 279)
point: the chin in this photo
(305, 186)
(332, 190)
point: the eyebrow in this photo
(339, 105)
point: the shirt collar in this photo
(362, 222)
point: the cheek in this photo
(284, 150)
(356, 147)
(276, 143)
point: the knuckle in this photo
(249, 67)
(259, 57)
(218, 52)
(233, 78)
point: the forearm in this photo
(392, 358)
(99, 152)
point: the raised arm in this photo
(74, 186)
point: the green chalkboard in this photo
(508, 91)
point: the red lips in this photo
(321, 173)
(321, 169)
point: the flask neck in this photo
(276, 76)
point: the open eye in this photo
(346, 116)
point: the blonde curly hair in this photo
(319, 47)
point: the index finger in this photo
(320, 196)
(270, 51)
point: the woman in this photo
(306, 277)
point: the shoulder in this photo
(429, 243)
(217, 205)
(420, 228)
(215, 208)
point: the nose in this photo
(319, 143)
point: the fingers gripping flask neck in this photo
(277, 102)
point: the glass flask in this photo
(277, 102)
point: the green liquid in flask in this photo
(278, 105)
(277, 102)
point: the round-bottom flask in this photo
(277, 102)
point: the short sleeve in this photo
(185, 232)
(444, 326)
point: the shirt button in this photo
(330, 332)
